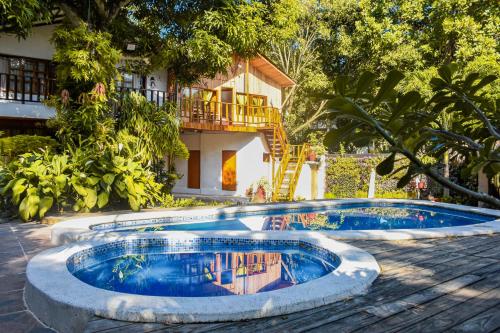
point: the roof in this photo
(265, 66)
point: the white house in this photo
(231, 124)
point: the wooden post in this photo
(482, 184)
(314, 180)
(247, 87)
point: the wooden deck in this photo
(432, 285)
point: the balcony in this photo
(24, 89)
(220, 116)
(195, 114)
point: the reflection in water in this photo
(370, 218)
(204, 273)
(360, 216)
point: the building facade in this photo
(231, 124)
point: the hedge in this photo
(348, 176)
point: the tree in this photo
(189, 38)
(411, 124)
(297, 53)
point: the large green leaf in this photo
(364, 83)
(109, 178)
(335, 136)
(134, 203)
(45, 204)
(91, 198)
(61, 181)
(17, 190)
(483, 83)
(446, 72)
(387, 87)
(102, 199)
(386, 166)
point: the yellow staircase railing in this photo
(290, 166)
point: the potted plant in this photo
(260, 191)
(317, 148)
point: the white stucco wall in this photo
(250, 167)
(25, 111)
(304, 188)
(37, 45)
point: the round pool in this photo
(202, 268)
(185, 277)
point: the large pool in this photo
(202, 269)
(357, 216)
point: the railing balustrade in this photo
(190, 110)
(25, 88)
(226, 114)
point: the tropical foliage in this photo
(12, 146)
(411, 124)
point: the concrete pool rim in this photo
(80, 228)
(63, 302)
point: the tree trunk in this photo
(446, 171)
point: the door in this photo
(194, 169)
(226, 99)
(229, 170)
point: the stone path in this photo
(433, 285)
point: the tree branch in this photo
(426, 169)
(493, 131)
(471, 144)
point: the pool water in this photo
(204, 271)
(362, 216)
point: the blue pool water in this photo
(360, 216)
(202, 270)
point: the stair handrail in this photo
(301, 158)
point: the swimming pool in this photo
(201, 269)
(357, 216)
(176, 276)
(389, 219)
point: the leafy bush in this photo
(343, 177)
(349, 177)
(37, 181)
(13, 146)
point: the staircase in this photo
(291, 158)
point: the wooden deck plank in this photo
(429, 285)
(487, 321)
(337, 311)
(417, 314)
(456, 315)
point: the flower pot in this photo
(260, 195)
(311, 157)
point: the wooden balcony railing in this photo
(25, 88)
(197, 111)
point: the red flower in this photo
(65, 97)
(100, 89)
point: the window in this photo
(35, 74)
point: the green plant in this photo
(411, 125)
(260, 190)
(34, 182)
(315, 140)
(12, 146)
(343, 177)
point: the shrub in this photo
(343, 177)
(13, 146)
(349, 177)
(35, 182)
